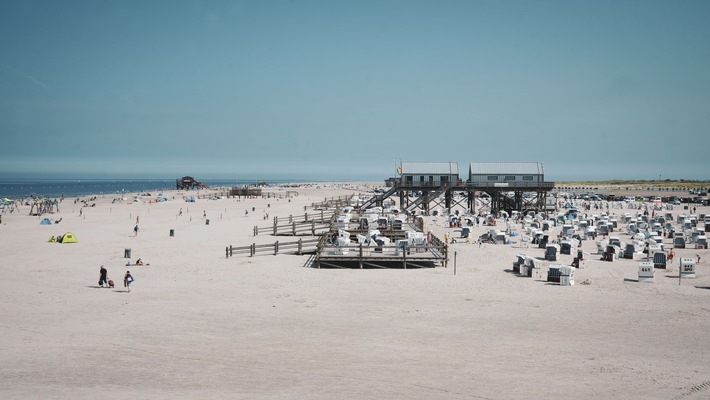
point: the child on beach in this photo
(127, 279)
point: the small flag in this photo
(399, 170)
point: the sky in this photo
(346, 89)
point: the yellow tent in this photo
(68, 238)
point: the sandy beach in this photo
(199, 325)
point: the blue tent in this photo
(45, 221)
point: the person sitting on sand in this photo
(139, 262)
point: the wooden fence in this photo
(381, 256)
(306, 224)
(209, 195)
(298, 247)
(241, 193)
(340, 201)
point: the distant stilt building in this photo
(511, 186)
(507, 186)
(188, 183)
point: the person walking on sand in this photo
(102, 276)
(135, 230)
(180, 214)
(127, 280)
(204, 214)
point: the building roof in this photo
(501, 168)
(418, 168)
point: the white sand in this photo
(198, 325)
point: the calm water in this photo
(19, 188)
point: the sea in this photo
(54, 188)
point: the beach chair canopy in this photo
(659, 258)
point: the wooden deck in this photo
(322, 225)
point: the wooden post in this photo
(230, 250)
(300, 246)
(290, 218)
(321, 216)
(227, 251)
(313, 228)
(359, 258)
(293, 228)
(252, 249)
(276, 221)
(404, 257)
(305, 216)
(276, 248)
(446, 256)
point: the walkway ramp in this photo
(378, 198)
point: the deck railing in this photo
(512, 185)
(298, 247)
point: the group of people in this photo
(103, 279)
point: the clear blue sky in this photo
(344, 89)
